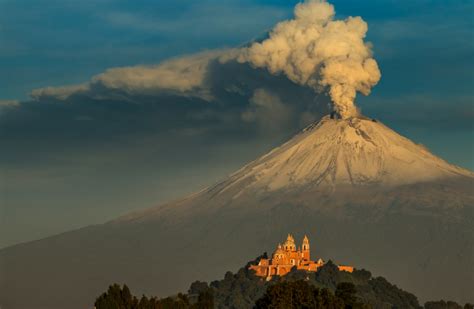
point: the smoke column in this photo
(315, 50)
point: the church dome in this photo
(279, 252)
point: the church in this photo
(286, 257)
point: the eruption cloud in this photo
(315, 50)
(312, 50)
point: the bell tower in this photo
(289, 244)
(305, 248)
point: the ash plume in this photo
(312, 49)
(315, 50)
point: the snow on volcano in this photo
(355, 151)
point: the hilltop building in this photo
(286, 257)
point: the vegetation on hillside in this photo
(241, 290)
(326, 288)
(118, 297)
(441, 304)
(301, 294)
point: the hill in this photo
(243, 289)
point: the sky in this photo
(176, 119)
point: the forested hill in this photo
(326, 288)
(241, 290)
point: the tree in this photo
(441, 304)
(117, 298)
(328, 275)
(146, 303)
(298, 294)
(391, 294)
(197, 287)
(121, 298)
(327, 300)
(362, 275)
(205, 300)
(347, 291)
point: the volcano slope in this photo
(365, 196)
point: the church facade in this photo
(286, 257)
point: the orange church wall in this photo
(346, 268)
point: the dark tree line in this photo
(302, 295)
(441, 304)
(118, 297)
(285, 295)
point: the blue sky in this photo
(79, 162)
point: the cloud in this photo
(197, 95)
(256, 86)
(6, 105)
(313, 50)
(268, 111)
(181, 76)
(59, 93)
(184, 76)
(316, 50)
(9, 103)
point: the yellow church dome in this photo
(279, 252)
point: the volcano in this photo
(365, 195)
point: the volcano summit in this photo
(366, 195)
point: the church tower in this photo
(305, 248)
(289, 244)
